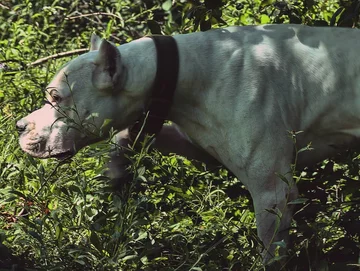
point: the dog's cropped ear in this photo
(108, 67)
(95, 42)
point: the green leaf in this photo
(167, 5)
(275, 211)
(79, 261)
(282, 177)
(175, 189)
(141, 171)
(18, 193)
(306, 148)
(129, 257)
(266, 3)
(59, 233)
(277, 259)
(28, 222)
(264, 19)
(36, 236)
(281, 244)
(105, 123)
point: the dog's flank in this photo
(239, 91)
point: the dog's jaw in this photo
(40, 148)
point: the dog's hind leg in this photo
(271, 185)
(273, 214)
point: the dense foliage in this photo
(172, 214)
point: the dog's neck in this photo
(140, 59)
(188, 110)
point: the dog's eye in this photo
(55, 98)
(54, 95)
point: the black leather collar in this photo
(162, 90)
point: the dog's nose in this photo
(21, 126)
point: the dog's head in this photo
(85, 98)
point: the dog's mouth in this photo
(37, 149)
(63, 155)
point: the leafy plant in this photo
(171, 213)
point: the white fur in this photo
(240, 90)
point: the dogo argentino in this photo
(239, 92)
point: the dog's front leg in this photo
(118, 162)
(169, 140)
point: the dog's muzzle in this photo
(33, 145)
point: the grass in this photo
(170, 213)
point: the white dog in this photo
(239, 92)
